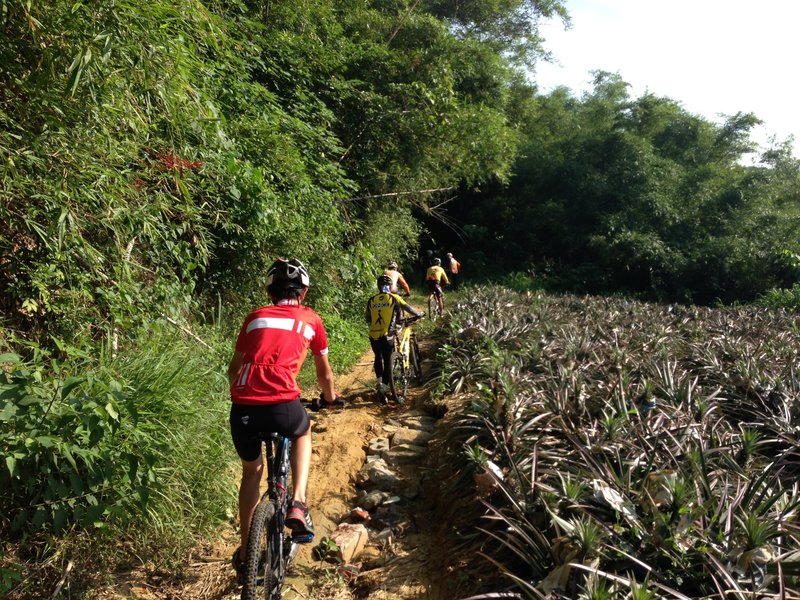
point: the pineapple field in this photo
(621, 449)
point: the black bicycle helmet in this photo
(383, 281)
(436, 261)
(290, 273)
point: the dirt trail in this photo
(339, 440)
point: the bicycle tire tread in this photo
(264, 513)
(399, 378)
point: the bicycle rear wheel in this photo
(416, 361)
(432, 307)
(399, 379)
(260, 554)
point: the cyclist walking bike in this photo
(382, 312)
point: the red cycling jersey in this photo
(274, 341)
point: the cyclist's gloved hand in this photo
(319, 403)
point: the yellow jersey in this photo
(436, 273)
(382, 312)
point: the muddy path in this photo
(409, 565)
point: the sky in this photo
(712, 56)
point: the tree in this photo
(639, 195)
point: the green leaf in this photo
(59, 519)
(10, 392)
(11, 464)
(76, 483)
(112, 411)
(19, 520)
(68, 455)
(45, 441)
(29, 399)
(92, 516)
(10, 358)
(183, 189)
(39, 517)
(69, 384)
(8, 412)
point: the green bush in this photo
(788, 298)
(521, 282)
(74, 453)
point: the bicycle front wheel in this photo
(416, 361)
(259, 553)
(399, 379)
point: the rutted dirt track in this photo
(409, 566)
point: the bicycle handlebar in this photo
(410, 319)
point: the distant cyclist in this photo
(397, 278)
(452, 267)
(434, 277)
(383, 310)
(270, 349)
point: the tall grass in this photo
(181, 393)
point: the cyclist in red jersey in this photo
(272, 344)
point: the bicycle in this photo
(405, 360)
(270, 551)
(434, 311)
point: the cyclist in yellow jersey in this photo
(434, 277)
(383, 310)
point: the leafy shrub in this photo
(521, 282)
(74, 454)
(788, 298)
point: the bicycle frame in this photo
(404, 361)
(402, 343)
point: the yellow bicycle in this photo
(405, 361)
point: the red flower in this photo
(174, 162)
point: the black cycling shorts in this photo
(289, 419)
(434, 287)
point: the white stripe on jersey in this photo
(245, 371)
(295, 325)
(270, 323)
